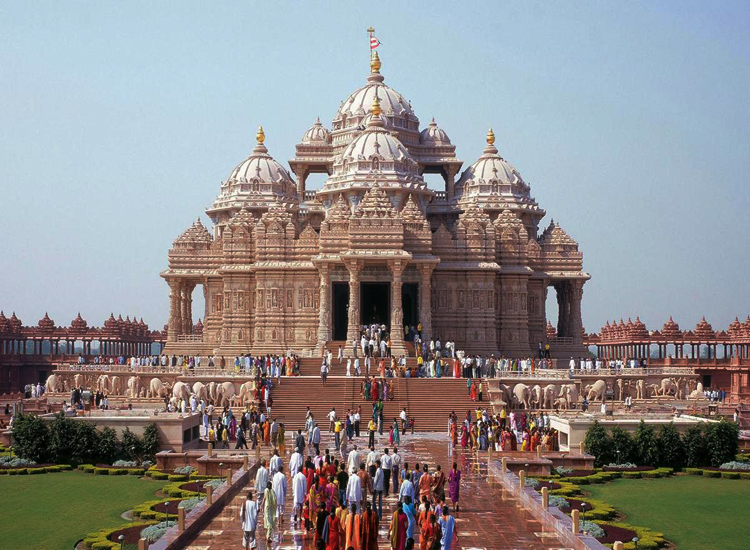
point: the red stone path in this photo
(488, 519)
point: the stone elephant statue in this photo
(246, 393)
(550, 393)
(224, 393)
(667, 387)
(569, 392)
(102, 383)
(640, 389)
(596, 391)
(697, 393)
(212, 392)
(521, 395)
(536, 397)
(181, 390)
(156, 388)
(561, 403)
(200, 390)
(78, 380)
(115, 385)
(134, 384)
(53, 383)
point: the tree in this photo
(646, 445)
(722, 441)
(86, 443)
(622, 441)
(695, 446)
(671, 447)
(599, 444)
(31, 438)
(149, 442)
(106, 450)
(131, 445)
(62, 440)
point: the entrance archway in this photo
(340, 310)
(409, 303)
(376, 303)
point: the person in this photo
(249, 519)
(261, 479)
(425, 483)
(448, 528)
(333, 530)
(275, 463)
(378, 485)
(411, 513)
(316, 438)
(296, 461)
(331, 419)
(371, 428)
(299, 492)
(354, 490)
(353, 461)
(299, 441)
(386, 463)
(269, 512)
(397, 530)
(368, 529)
(407, 488)
(321, 518)
(429, 534)
(454, 484)
(280, 487)
(342, 480)
(352, 528)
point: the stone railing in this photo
(552, 519)
(680, 371)
(190, 338)
(309, 196)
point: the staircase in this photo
(429, 401)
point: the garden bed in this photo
(170, 507)
(196, 486)
(613, 534)
(132, 534)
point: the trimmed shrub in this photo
(671, 448)
(599, 444)
(136, 472)
(566, 489)
(558, 501)
(622, 441)
(722, 441)
(647, 539)
(530, 482)
(744, 475)
(190, 503)
(579, 480)
(734, 465)
(631, 475)
(155, 532)
(102, 471)
(159, 476)
(693, 471)
(592, 528)
(177, 477)
(730, 475)
(695, 446)
(99, 540)
(185, 470)
(124, 464)
(646, 445)
(711, 473)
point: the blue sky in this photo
(630, 121)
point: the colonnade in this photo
(180, 308)
(37, 345)
(569, 297)
(640, 350)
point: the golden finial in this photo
(375, 63)
(260, 136)
(376, 107)
(491, 137)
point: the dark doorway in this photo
(376, 303)
(706, 381)
(409, 301)
(340, 310)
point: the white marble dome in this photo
(360, 102)
(434, 135)
(260, 167)
(317, 134)
(375, 142)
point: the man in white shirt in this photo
(276, 463)
(299, 489)
(249, 519)
(386, 463)
(279, 487)
(407, 488)
(352, 461)
(331, 419)
(354, 491)
(261, 480)
(296, 461)
(395, 469)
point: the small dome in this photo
(375, 143)
(317, 134)
(45, 323)
(490, 168)
(14, 323)
(3, 322)
(262, 167)
(434, 135)
(79, 323)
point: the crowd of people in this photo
(516, 431)
(339, 503)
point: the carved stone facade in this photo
(291, 269)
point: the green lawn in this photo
(54, 511)
(695, 513)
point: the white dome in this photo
(375, 142)
(261, 167)
(434, 135)
(489, 168)
(317, 134)
(360, 102)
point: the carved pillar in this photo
(188, 326)
(576, 320)
(301, 180)
(397, 313)
(324, 323)
(450, 185)
(425, 300)
(352, 330)
(175, 314)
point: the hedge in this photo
(730, 475)
(146, 510)
(647, 539)
(175, 490)
(596, 509)
(177, 477)
(34, 471)
(200, 477)
(159, 476)
(711, 473)
(99, 540)
(566, 489)
(693, 471)
(632, 475)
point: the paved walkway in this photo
(489, 518)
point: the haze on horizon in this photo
(629, 120)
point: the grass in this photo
(695, 513)
(54, 511)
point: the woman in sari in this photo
(396, 432)
(269, 511)
(397, 530)
(454, 485)
(464, 436)
(430, 533)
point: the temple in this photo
(289, 269)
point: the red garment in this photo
(333, 532)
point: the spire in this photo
(490, 149)
(260, 135)
(376, 105)
(490, 136)
(375, 63)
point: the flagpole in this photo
(370, 31)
